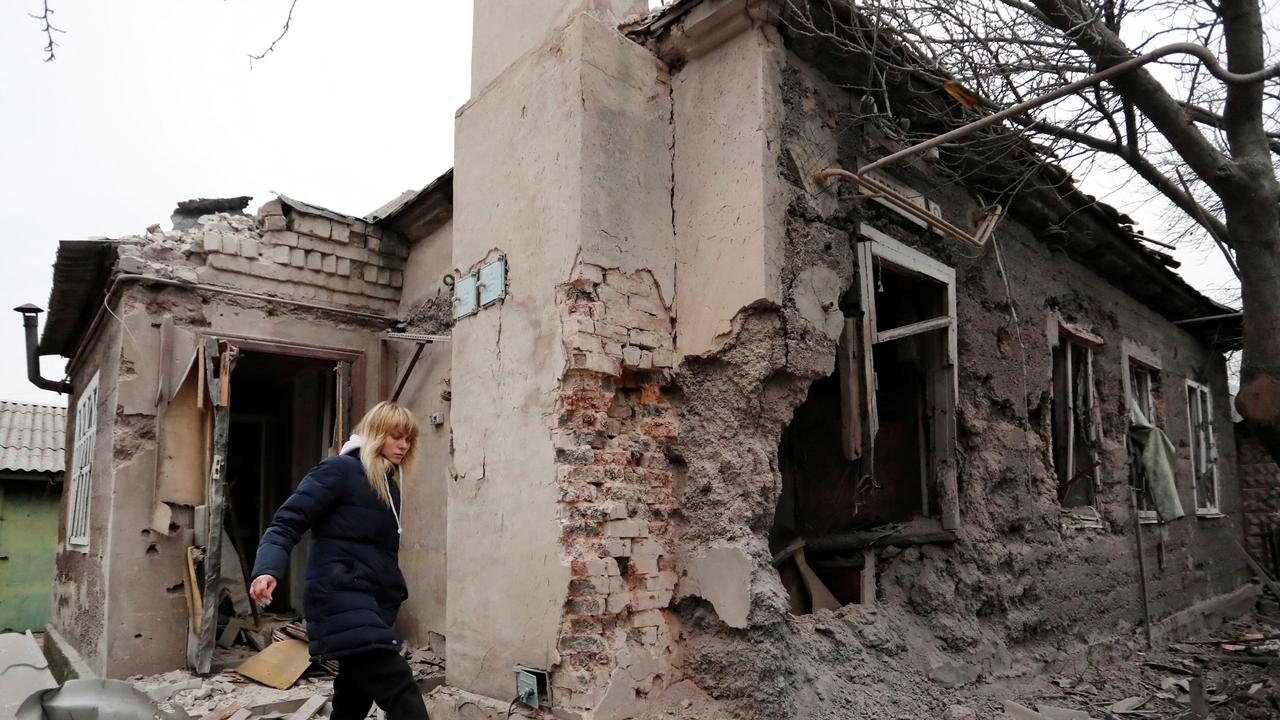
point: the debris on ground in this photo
(265, 673)
(1235, 675)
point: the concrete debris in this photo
(228, 691)
(431, 316)
(95, 699)
(23, 670)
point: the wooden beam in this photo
(913, 329)
(851, 397)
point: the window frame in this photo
(1073, 339)
(1146, 360)
(80, 489)
(944, 385)
(1209, 453)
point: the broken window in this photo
(1077, 433)
(1204, 453)
(1142, 383)
(82, 466)
(868, 459)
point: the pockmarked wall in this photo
(122, 604)
(1022, 589)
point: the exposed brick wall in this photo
(1260, 491)
(285, 252)
(614, 424)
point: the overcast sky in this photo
(153, 101)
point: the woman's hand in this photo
(262, 588)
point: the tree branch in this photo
(48, 31)
(287, 20)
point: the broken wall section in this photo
(1023, 589)
(614, 428)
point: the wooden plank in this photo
(943, 425)
(867, 596)
(182, 445)
(191, 589)
(224, 376)
(279, 666)
(216, 501)
(241, 714)
(309, 708)
(851, 405)
(225, 713)
(866, 268)
(1257, 569)
(913, 329)
(228, 636)
(200, 374)
(820, 598)
(343, 387)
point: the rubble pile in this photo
(227, 692)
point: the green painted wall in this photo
(28, 544)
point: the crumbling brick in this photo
(615, 488)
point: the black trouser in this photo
(380, 676)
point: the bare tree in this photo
(1211, 148)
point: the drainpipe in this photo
(30, 322)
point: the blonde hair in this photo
(377, 425)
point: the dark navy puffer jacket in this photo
(354, 584)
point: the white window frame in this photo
(880, 247)
(80, 492)
(1203, 449)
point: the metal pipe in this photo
(128, 277)
(30, 322)
(1223, 316)
(897, 200)
(1201, 52)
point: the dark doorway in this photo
(282, 425)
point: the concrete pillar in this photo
(563, 165)
(503, 30)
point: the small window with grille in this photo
(81, 490)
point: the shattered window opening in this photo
(1077, 436)
(868, 458)
(1204, 452)
(1143, 382)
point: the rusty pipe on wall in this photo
(30, 323)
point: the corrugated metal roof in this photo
(310, 209)
(33, 437)
(79, 280)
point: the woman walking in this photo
(351, 504)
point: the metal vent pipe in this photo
(30, 323)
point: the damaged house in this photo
(702, 392)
